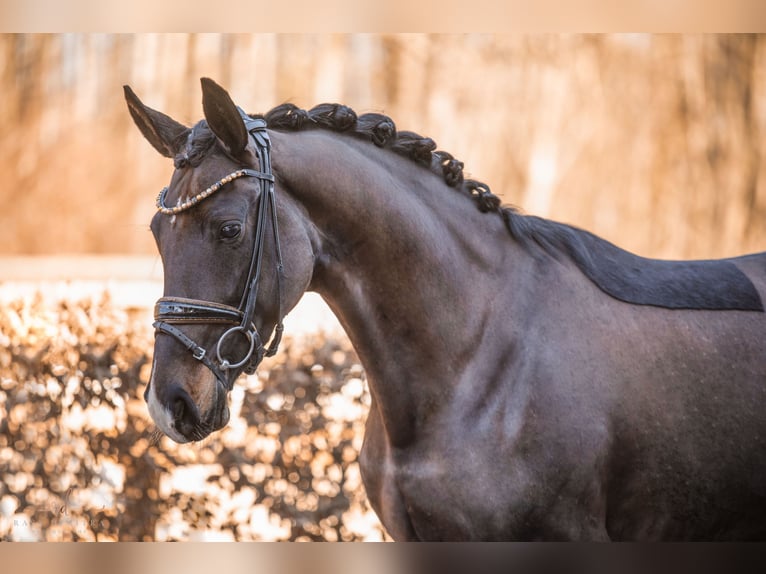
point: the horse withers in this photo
(529, 380)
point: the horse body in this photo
(570, 430)
(542, 408)
(512, 398)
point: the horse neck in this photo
(409, 266)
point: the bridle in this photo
(172, 311)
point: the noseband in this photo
(171, 311)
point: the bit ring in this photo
(224, 363)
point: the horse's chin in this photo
(220, 416)
(216, 418)
(217, 421)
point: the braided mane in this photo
(620, 274)
(381, 131)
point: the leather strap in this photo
(181, 310)
(197, 352)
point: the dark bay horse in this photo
(529, 380)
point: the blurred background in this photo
(655, 142)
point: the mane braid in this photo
(381, 131)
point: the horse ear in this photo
(223, 117)
(163, 132)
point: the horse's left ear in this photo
(223, 117)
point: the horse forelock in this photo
(198, 143)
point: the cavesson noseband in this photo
(171, 311)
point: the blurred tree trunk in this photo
(706, 164)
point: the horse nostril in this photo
(184, 411)
(179, 407)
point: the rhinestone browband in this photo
(191, 202)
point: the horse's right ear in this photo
(163, 132)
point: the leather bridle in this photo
(172, 311)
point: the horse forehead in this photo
(176, 234)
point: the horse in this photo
(528, 379)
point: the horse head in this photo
(220, 232)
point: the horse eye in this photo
(230, 230)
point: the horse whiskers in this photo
(155, 436)
(202, 432)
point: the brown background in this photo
(652, 141)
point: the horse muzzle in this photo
(176, 414)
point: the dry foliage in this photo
(79, 459)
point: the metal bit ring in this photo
(224, 363)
